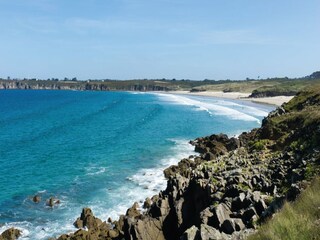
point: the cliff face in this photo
(79, 85)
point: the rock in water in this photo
(10, 234)
(87, 220)
(36, 199)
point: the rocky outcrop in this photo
(232, 186)
(10, 234)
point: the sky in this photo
(137, 39)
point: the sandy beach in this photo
(278, 100)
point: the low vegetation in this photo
(297, 220)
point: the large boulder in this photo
(231, 225)
(209, 233)
(220, 213)
(142, 229)
(133, 211)
(87, 220)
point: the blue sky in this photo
(182, 39)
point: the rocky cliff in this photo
(85, 85)
(232, 186)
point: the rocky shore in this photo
(231, 187)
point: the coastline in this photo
(277, 101)
(236, 96)
(229, 189)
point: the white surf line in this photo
(211, 108)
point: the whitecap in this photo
(91, 171)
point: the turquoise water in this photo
(102, 150)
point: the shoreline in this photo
(276, 101)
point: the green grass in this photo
(297, 220)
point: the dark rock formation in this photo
(36, 199)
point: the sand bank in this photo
(278, 100)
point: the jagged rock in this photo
(64, 237)
(248, 214)
(52, 201)
(240, 202)
(147, 203)
(160, 208)
(205, 215)
(220, 214)
(210, 233)
(36, 199)
(10, 234)
(208, 156)
(260, 207)
(228, 226)
(256, 196)
(87, 220)
(171, 171)
(148, 228)
(232, 191)
(231, 225)
(78, 223)
(133, 211)
(239, 224)
(113, 233)
(191, 234)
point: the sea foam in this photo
(214, 108)
(145, 183)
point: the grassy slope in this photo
(297, 220)
(300, 219)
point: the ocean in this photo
(103, 150)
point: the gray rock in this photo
(210, 233)
(228, 226)
(205, 215)
(248, 214)
(220, 214)
(191, 234)
(232, 225)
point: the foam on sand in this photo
(211, 108)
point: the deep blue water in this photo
(102, 150)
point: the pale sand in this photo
(278, 101)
